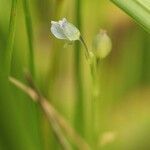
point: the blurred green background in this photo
(123, 121)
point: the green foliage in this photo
(106, 108)
(7, 54)
(28, 21)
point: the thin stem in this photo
(95, 90)
(51, 113)
(87, 53)
(28, 21)
(145, 58)
(79, 106)
(7, 54)
(94, 102)
(35, 95)
(34, 109)
(56, 128)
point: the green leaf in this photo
(139, 10)
(28, 21)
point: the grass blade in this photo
(79, 118)
(12, 132)
(7, 54)
(34, 109)
(139, 10)
(51, 113)
(28, 21)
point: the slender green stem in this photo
(34, 109)
(87, 53)
(94, 102)
(7, 54)
(51, 113)
(28, 21)
(145, 72)
(95, 92)
(79, 111)
(91, 59)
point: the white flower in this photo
(65, 30)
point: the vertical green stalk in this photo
(79, 109)
(145, 76)
(94, 103)
(91, 59)
(28, 21)
(33, 110)
(7, 54)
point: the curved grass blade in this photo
(139, 10)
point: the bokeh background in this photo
(123, 109)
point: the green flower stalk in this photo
(102, 46)
(66, 31)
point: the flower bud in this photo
(102, 45)
(65, 30)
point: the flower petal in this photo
(65, 30)
(63, 22)
(57, 30)
(71, 32)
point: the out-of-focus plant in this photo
(19, 125)
(102, 45)
(59, 125)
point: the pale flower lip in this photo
(62, 29)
